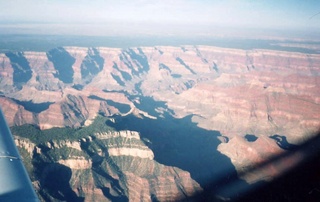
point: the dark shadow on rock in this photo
(283, 143)
(78, 86)
(21, 69)
(176, 76)
(92, 64)
(62, 62)
(123, 108)
(130, 58)
(181, 143)
(34, 107)
(302, 183)
(106, 193)
(185, 65)
(250, 137)
(126, 76)
(215, 67)
(140, 58)
(99, 169)
(118, 79)
(55, 180)
(163, 66)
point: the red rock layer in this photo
(132, 175)
(236, 92)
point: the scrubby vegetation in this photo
(45, 158)
(38, 136)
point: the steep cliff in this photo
(251, 91)
(103, 166)
(272, 95)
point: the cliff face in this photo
(104, 166)
(264, 93)
(233, 91)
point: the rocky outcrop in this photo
(275, 91)
(25, 144)
(91, 65)
(105, 166)
(256, 153)
(236, 92)
(76, 164)
(125, 143)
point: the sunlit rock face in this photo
(105, 166)
(230, 90)
(272, 95)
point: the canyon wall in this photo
(105, 166)
(262, 102)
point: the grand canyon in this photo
(158, 123)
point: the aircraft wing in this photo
(15, 184)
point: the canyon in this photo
(156, 123)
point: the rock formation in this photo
(104, 166)
(236, 92)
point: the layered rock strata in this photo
(264, 93)
(105, 166)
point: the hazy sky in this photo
(106, 17)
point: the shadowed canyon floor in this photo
(176, 120)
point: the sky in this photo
(156, 17)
